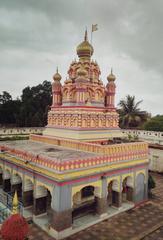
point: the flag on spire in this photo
(94, 27)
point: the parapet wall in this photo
(20, 131)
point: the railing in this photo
(7, 199)
(148, 136)
(4, 214)
(21, 131)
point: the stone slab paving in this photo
(144, 222)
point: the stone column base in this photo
(61, 220)
(101, 205)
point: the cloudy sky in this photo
(38, 35)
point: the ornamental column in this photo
(110, 91)
(61, 210)
(56, 90)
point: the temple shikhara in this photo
(81, 170)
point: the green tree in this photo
(154, 124)
(151, 184)
(130, 114)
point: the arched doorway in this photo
(140, 188)
(42, 200)
(127, 189)
(113, 197)
(1, 177)
(16, 185)
(6, 185)
(27, 197)
(84, 202)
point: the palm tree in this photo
(130, 114)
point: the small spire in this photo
(111, 70)
(86, 36)
(15, 203)
(57, 70)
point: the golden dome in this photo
(85, 49)
(57, 76)
(111, 76)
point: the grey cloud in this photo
(35, 36)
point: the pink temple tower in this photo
(83, 108)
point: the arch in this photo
(113, 197)
(84, 201)
(6, 174)
(28, 184)
(116, 185)
(140, 187)
(16, 178)
(6, 185)
(27, 193)
(97, 185)
(1, 177)
(127, 189)
(16, 184)
(42, 200)
(143, 173)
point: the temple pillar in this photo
(39, 200)
(101, 205)
(61, 217)
(101, 201)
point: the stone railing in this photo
(148, 136)
(20, 131)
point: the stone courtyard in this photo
(144, 222)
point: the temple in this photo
(83, 108)
(81, 170)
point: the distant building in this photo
(155, 143)
(80, 171)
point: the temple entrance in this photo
(140, 188)
(1, 177)
(42, 201)
(127, 189)
(16, 185)
(6, 184)
(84, 202)
(113, 194)
(27, 197)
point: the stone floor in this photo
(144, 222)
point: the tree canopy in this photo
(28, 111)
(130, 114)
(154, 124)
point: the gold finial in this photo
(57, 76)
(111, 76)
(86, 36)
(15, 203)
